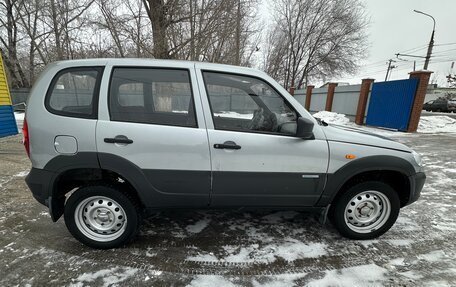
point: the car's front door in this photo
(151, 130)
(256, 159)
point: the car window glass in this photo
(152, 96)
(72, 92)
(246, 103)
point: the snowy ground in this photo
(236, 248)
(428, 124)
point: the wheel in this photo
(366, 210)
(102, 217)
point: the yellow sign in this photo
(5, 99)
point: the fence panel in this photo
(318, 99)
(346, 99)
(391, 103)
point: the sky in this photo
(395, 28)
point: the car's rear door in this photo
(151, 129)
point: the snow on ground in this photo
(198, 226)
(288, 249)
(19, 120)
(332, 117)
(210, 281)
(428, 124)
(437, 124)
(109, 277)
(364, 275)
(19, 116)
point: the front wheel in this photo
(366, 210)
(102, 216)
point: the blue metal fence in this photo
(391, 103)
(7, 121)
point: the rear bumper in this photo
(416, 185)
(38, 181)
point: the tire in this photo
(366, 210)
(102, 217)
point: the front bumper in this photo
(39, 181)
(416, 185)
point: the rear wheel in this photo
(366, 210)
(102, 216)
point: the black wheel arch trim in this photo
(62, 163)
(336, 180)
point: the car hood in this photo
(357, 136)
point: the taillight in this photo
(26, 137)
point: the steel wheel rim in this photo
(100, 218)
(367, 211)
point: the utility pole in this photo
(390, 67)
(431, 42)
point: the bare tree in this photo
(64, 18)
(205, 30)
(36, 32)
(9, 41)
(315, 39)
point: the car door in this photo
(151, 130)
(256, 159)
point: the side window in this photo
(243, 103)
(152, 96)
(74, 92)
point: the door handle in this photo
(121, 139)
(227, 145)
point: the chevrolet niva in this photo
(111, 140)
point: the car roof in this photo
(148, 61)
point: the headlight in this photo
(417, 158)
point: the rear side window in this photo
(74, 92)
(152, 96)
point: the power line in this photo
(446, 44)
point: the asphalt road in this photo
(231, 248)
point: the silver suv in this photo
(111, 140)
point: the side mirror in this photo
(305, 129)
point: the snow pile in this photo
(19, 116)
(332, 118)
(109, 277)
(19, 120)
(198, 226)
(437, 124)
(427, 124)
(364, 275)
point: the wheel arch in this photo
(392, 170)
(85, 168)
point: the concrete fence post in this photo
(308, 96)
(330, 96)
(417, 107)
(362, 100)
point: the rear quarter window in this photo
(73, 92)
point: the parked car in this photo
(452, 105)
(112, 140)
(440, 105)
